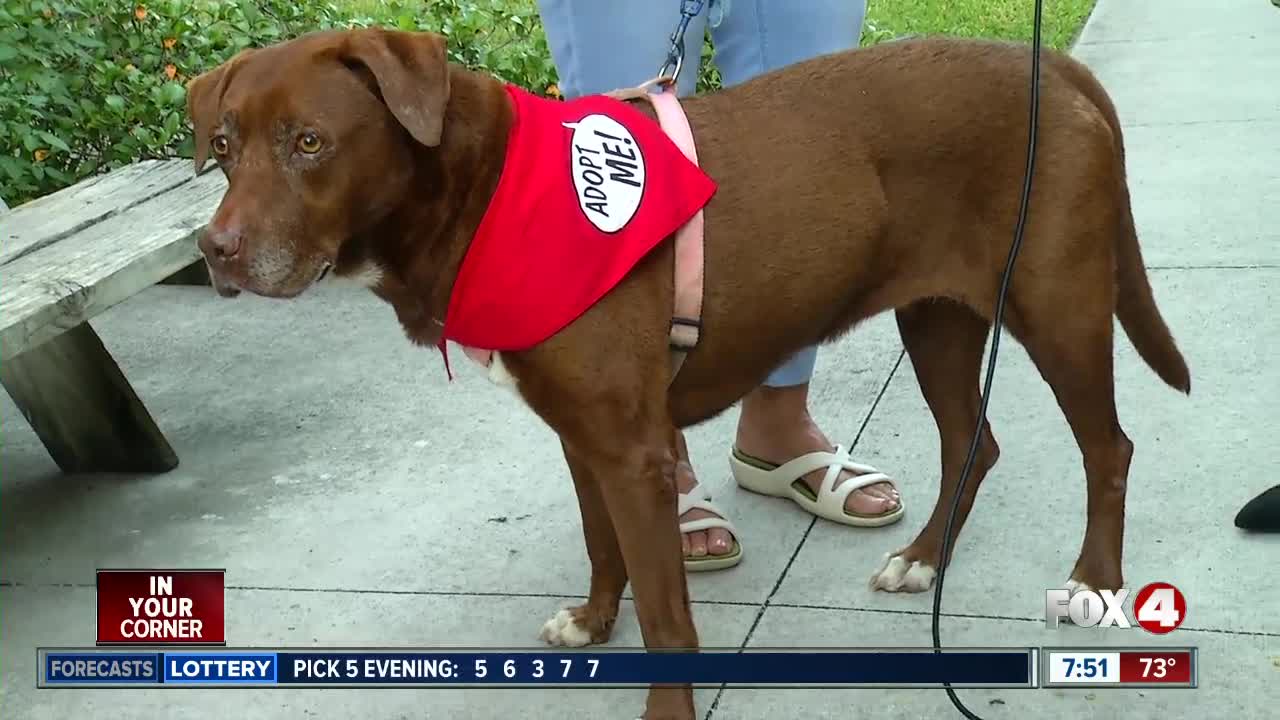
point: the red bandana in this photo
(588, 188)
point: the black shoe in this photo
(1261, 513)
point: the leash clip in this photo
(670, 70)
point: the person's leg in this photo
(757, 36)
(603, 45)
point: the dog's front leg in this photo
(591, 623)
(634, 462)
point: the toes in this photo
(897, 574)
(701, 543)
(698, 543)
(867, 503)
(874, 499)
(719, 541)
(562, 630)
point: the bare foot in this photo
(775, 426)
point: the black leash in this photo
(996, 324)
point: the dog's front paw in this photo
(1073, 586)
(563, 630)
(897, 574)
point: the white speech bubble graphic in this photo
(608, 171)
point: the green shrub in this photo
(91, 85)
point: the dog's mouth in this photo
(224, 289)
(321, 274)
(228, 288)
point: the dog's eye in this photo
(220, 145)
(309, 143)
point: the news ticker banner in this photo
(160, 613)
(489, 668)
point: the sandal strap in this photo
(700, 497)
(835, 463)
(864, 475)
(798, 467)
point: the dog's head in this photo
(316, 137)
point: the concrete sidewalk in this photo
(357, 499)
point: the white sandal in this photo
(787, 480)
(699, 497)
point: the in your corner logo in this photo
(608, 171)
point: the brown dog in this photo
(885, 178)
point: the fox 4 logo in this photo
(1159, 608)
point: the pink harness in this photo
(686, 320)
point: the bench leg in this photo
(82, 407)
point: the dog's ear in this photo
(204, 96)
(411, 70)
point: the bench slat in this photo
(45, 293)
(49, 219)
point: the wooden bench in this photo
(64, 259)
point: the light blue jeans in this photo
(603, 45)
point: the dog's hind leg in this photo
(592, 622)
(944, 340)
(1074, 356)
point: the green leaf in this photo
(115, 102)
(250, 12)
(7, 52)
(55, 141)
(172, 93)
(12, 167)
(171, 123)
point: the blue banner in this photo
(218, 667)
(96, 668)
(489, 668)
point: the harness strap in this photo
(686, 319)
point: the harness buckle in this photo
(685, 333)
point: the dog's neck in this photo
(421, 245)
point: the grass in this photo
(1005, 19)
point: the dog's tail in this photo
(1135, 304)
(1137, 311)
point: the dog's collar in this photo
(628, 149)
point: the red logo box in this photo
(161, 607)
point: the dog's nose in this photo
(220, 243)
